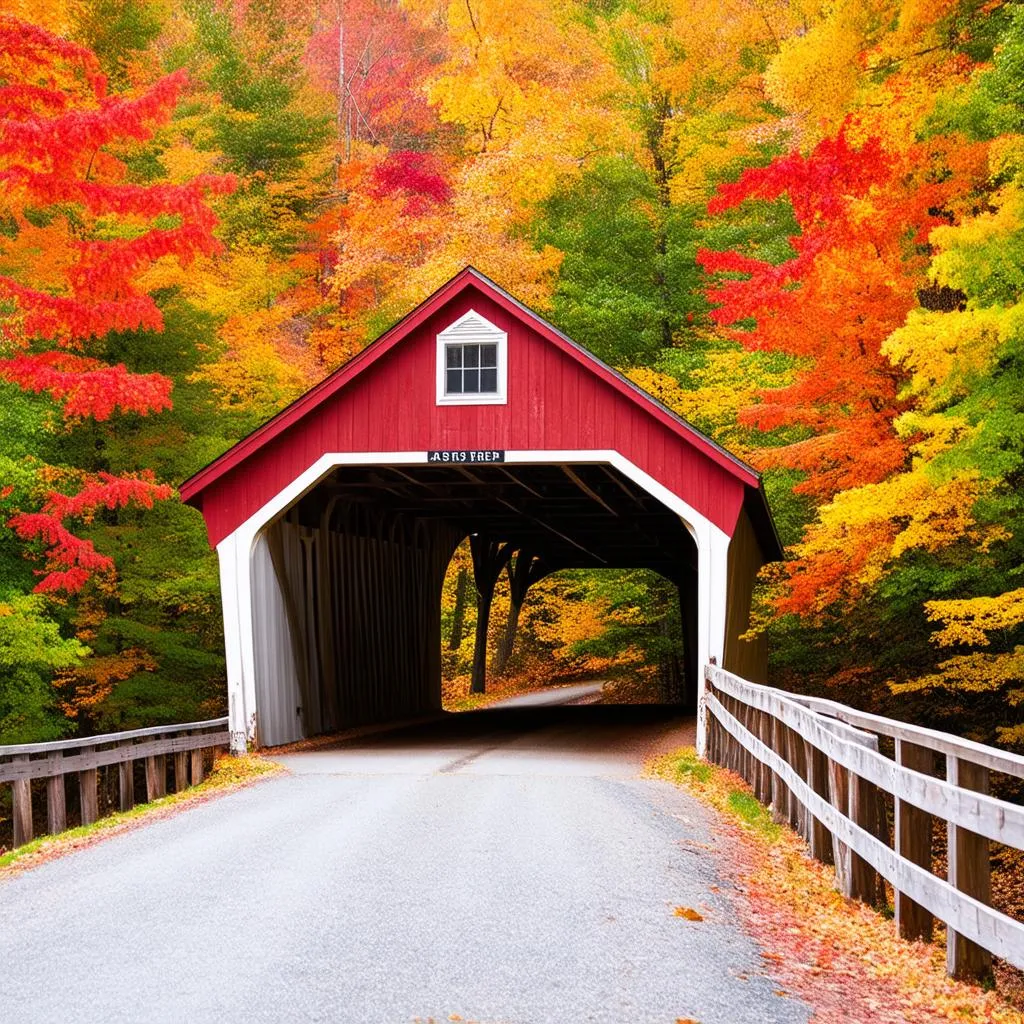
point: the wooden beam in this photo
(519, 481)
(551, 529)
(587, 490)
(618, 481)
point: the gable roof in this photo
(467, 278)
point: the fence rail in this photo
(21, 763)
(818, 765)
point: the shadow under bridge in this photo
(347, 581)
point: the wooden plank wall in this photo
(367, 596)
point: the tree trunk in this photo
(459, 614)
(508, 640)
(656, 148)
(478, 682)
(489, 558)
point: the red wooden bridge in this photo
(335, 521)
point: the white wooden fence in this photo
(818, 765)
(21, 763)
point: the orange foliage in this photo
(854, 275)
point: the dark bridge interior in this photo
(361, 559)
(573, 516)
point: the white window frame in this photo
(486, 333)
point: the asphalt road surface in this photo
(499, 867)
(549, 696)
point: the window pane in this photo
(471, 355)
(489, 382)
(454, 382)
(471, 382)
(488, 355)
(454, 355)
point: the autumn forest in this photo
(800, 225)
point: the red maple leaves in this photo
(96, 234)
(70, 559)
(857, 264)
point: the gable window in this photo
(471, 369)
(472, 362)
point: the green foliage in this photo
(996, 105)
(629, 285)
(118, 31)
(259, 127)
(31, 649)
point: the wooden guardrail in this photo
(819, 765)
(21, 763)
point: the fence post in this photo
(762, 773)
(156, 777)
(56, 803)
(748, 761)
(819, 838)
(838, 796)
(780, 792)
(22, 808)
(710, 740)
(180, 771)
(126, 785)
(912, 831)
(795, 756)
(970, 871)
(197, 766)
(87, 790)
(864, 798)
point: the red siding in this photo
(554, 402)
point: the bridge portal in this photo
(335, 521)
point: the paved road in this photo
(505, 867)
(549, 697)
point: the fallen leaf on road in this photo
(689, 913)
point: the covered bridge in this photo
(335, 521)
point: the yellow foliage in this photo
(731, 380)
(529, 114)
(864, 529)
(955, 242)
(973, 673)
(971, 621)
(183, 162)
(585, 621)
(262, 368)
(816, 74)
(57, 16)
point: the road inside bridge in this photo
(503, 867)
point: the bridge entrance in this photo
(335, 521)
(347, 582)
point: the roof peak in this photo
(468, 276)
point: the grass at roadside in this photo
(845, 959)
(228, 774)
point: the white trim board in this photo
(482, 332)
